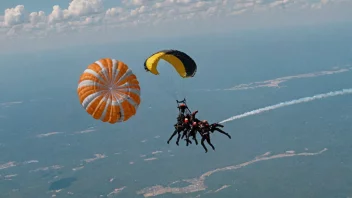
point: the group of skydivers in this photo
(189, 125)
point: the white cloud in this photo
(85, 7)
(56, 15)
(112, 12)
(138, 2)
(14, 16)
(138, 10)
(90, 15)
(37, 17)
(76, 9)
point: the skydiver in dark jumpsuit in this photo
(181, 126)
(182, 109)
(214, 127)
(195, 127)
(187, 127)
(205, 133)
(193, 133)
(181, 113)
(180, 118)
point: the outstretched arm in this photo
(219, 130)
(223, 132)
(194, 113)
(219, 125)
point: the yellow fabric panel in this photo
(152, 63)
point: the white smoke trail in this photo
(288, 103)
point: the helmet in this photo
(205, 121)
(186, 120)
(194, 124)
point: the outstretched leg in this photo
(194, 137)
(184, 134)
(209, 142)
(175, 132)
(188, 132)
(179, 136)
(223, 132)
(202, 143)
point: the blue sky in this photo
(36, 24)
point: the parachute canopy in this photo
(109, 91)
(184, 64)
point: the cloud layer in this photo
(84, 15)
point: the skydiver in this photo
(180, 119)
(186, 125)
(178, 129)
(181, 114)
(180, 126)
(214, 127)
(182, 108)
(205, 133)
(193, 128)
(192, 132)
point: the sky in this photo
(41, 24)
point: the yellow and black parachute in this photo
(183, 64)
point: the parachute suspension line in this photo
(177, 90)
(166, 81)
(180, 87)
(174, 88)
(183, 88)
(172, 81)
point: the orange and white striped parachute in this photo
(109, 91)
